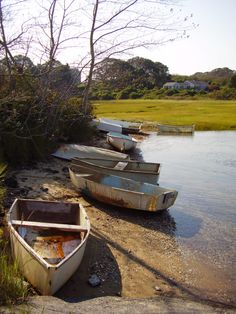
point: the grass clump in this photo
(12, 286)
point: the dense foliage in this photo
(143, 78)
(39, 106)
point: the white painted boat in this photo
(130, 169)
(48, 240)
(106, 126)
(127, 127)
(166, 128)
(121, 142)
(69, 151)
(122, 192)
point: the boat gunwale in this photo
(125, 170)
(31, 250)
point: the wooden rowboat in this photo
(121, 142)
(122, 192)
(130, 169)
(48, 240)
(165, 128)
(69, 151)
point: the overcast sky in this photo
(211, 45)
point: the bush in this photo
(31, 127)
(225, 93)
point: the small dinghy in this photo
(121, 142)
(122, 192)
(48, 240)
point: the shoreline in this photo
(122, 248)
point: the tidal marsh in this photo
(205, 114)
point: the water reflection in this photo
(202, 168)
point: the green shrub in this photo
(225, 93)
(31, 127)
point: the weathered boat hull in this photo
(69, 151)
(164, 128)
(106, 126)
(121, 142)
(130, 169)
(127, 127)
(46, 277)
(122, 192)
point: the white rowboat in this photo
(69, 151)
(106, 126)
(48, 240)
(127, 127)
(121, 142)
(130, 169)
(122, 192)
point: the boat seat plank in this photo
(121, 165)
(47, 225)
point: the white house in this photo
(198, 85)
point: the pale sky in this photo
(211, 45)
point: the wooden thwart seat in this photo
(121, 165)
(48, 225)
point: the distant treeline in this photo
(143, 78)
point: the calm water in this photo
(202, 168)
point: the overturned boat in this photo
(106, 126)
(127, 127)
(69, 151)
(48, 240)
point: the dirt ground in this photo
(134, 253)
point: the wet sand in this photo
(135, 254)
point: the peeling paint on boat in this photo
(121, 191)
(46, 254)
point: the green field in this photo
(205, 114)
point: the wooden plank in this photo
(121, 165)
(47, 225)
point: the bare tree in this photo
(11, 40)
(119, 27)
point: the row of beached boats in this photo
(49, 238)
(117, 126)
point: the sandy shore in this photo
(134, 253)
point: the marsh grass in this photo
(205, 114)
(12, 287)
